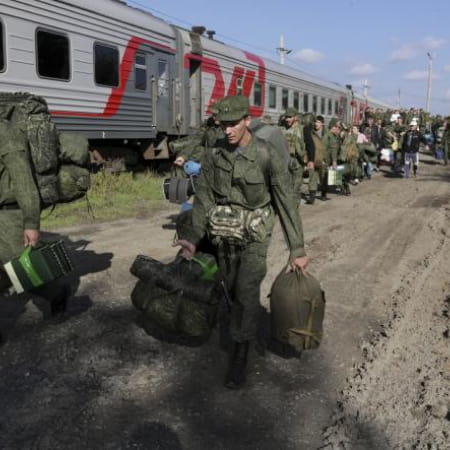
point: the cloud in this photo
(308, 55)
(404, 53)
(363, 69)
(409, 51)
(447, 68)
(430, 43)
(416, 75)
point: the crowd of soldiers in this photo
(350, 152)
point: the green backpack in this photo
(60, 169)
(297, 309)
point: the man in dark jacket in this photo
(411, 144)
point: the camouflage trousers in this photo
(11, 236)
(296, 170)
(316, 176)
(243, 269)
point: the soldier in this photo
(332, 142)
(244, 181)
(411, 144)
(314, 153)
(293, 131)
(20, 212)
(321, 157)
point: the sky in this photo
(389, 46)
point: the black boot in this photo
(311, 198)
(236, 374)
(346, 189)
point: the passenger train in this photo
(129, 80)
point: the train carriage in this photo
(127, 79)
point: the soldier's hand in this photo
(187, 248)
(179, 161)
(310, 165)
(300, 263)
(31, 237)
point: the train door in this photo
(162, 90)
(195, 90)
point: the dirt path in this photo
(380, 380)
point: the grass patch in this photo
(111, 196)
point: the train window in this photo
(140, 72)
(106, 62)
(306, 103)
(314, 104)
(272, 97)
(330, 107)
(257, 98)
(52, 55)
(296, 103)
(284, 98)
(163, 78)
(239, 84)
(2, 49)
(336, 107)
(322, 105)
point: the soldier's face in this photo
(236, 131)
(290, 121)
(318, 124)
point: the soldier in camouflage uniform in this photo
(293, 132)
(20, 212)
(244, 181)
(332, 142)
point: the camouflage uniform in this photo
(296, 147)
(243, 179)
(20, 208)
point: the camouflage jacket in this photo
(332, 146)
(237, 177)
(17, 184)
(296, 142)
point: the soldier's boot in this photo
(415, 170)
(346, 189)
(5, 282)
(57, 293)
(311, 198)
(236, 374)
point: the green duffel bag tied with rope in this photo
(297, 309)
(38, 265)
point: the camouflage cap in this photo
(291, 112)
(233, 107)
(333, 122)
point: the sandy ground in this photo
(381, 379)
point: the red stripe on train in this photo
(116, 95)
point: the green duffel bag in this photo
(297, 309)
(73, 149)
(72, 182)
(181, 297)
(157, 304)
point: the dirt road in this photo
(380, 380)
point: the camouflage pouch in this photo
(227, 223)
(259, 224)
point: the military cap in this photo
(290, 112)
(233, 107)
(333, 122)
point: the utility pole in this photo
(430, 76)
(398, 100)
(365, 91)
(282, 50)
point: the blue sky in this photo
(348, 41)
